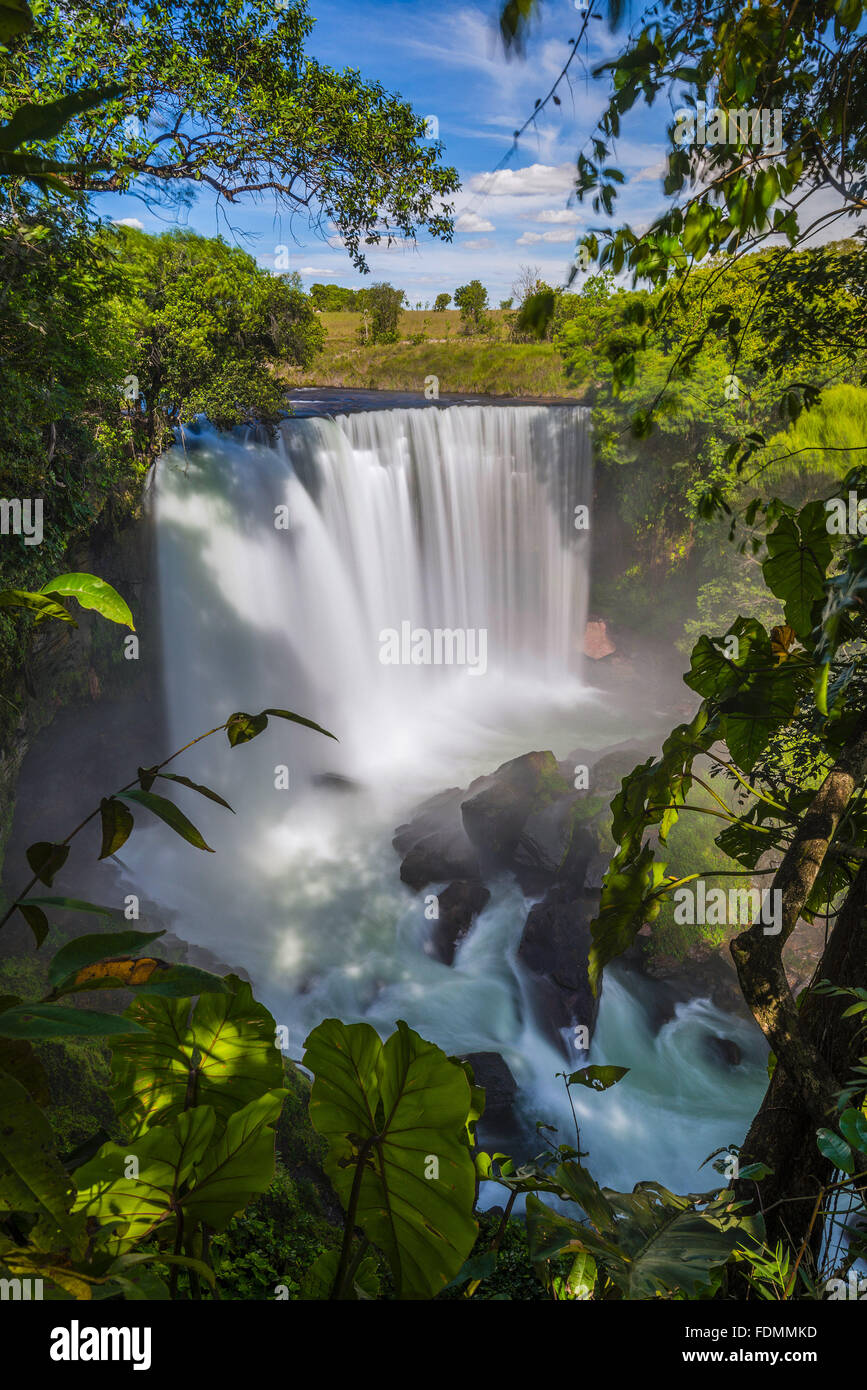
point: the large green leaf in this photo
(32, 1179)
(92, 592)
(145, 975)
(15, 18)
(799, 552)
(40, 604)
(39, 1022)
(239, 1165)
(40, 121)
(84, 950)
(659, 1245)
(400, 1111)
(141, 1196)
(223, 1054)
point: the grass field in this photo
(432, 345)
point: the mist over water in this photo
(458, 518)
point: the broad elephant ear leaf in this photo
(396, 1114)
(32, 1178)
(222, 1054)
(239, 1165)
(139, 1196)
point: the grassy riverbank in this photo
(431, 344)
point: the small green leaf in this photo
(46, 860)
(241, 728)
(194, 786)
(755, 1172)
(171, 814)
(476, 1267)
(92, 593)
(39, 604)
(830, 1144)
(597, 1078)
(299, 719)
(36, 921)
(117, 824)
(853, 1125)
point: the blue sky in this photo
(447, 60)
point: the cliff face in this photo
(81, 679)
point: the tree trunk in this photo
(783, 1133)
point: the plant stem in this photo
(35, 879)
(341, 1277)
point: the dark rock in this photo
(496, 808)
(440, 812)
(492, 1072)
(703, 973)
(436, 857)
(459, 905)
(723, 1051)
(553, 844)
(554, 950)
(434, 844)
(596, 869)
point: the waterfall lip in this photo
(340, 401)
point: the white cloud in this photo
(561, 234)
(536, 178)
(129, 222)
(472, 222)
(651, 172)
(315, 270)
(570, 215)
(478, 243)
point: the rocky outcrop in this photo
(723, 1051)
(554, 950)
(496, 809)
(458, 906)
(703, 972)
(434, 844)
(491, 1072)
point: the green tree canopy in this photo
(221, 93)
(209, 328)
(472, 300)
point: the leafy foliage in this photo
(395, 1116)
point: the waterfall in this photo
(298, 559)
(280, 569)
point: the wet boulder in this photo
(725, 1052)
(492, 1072)
(458, 906)
(434, 844)
(554, 951)
(496, 808)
